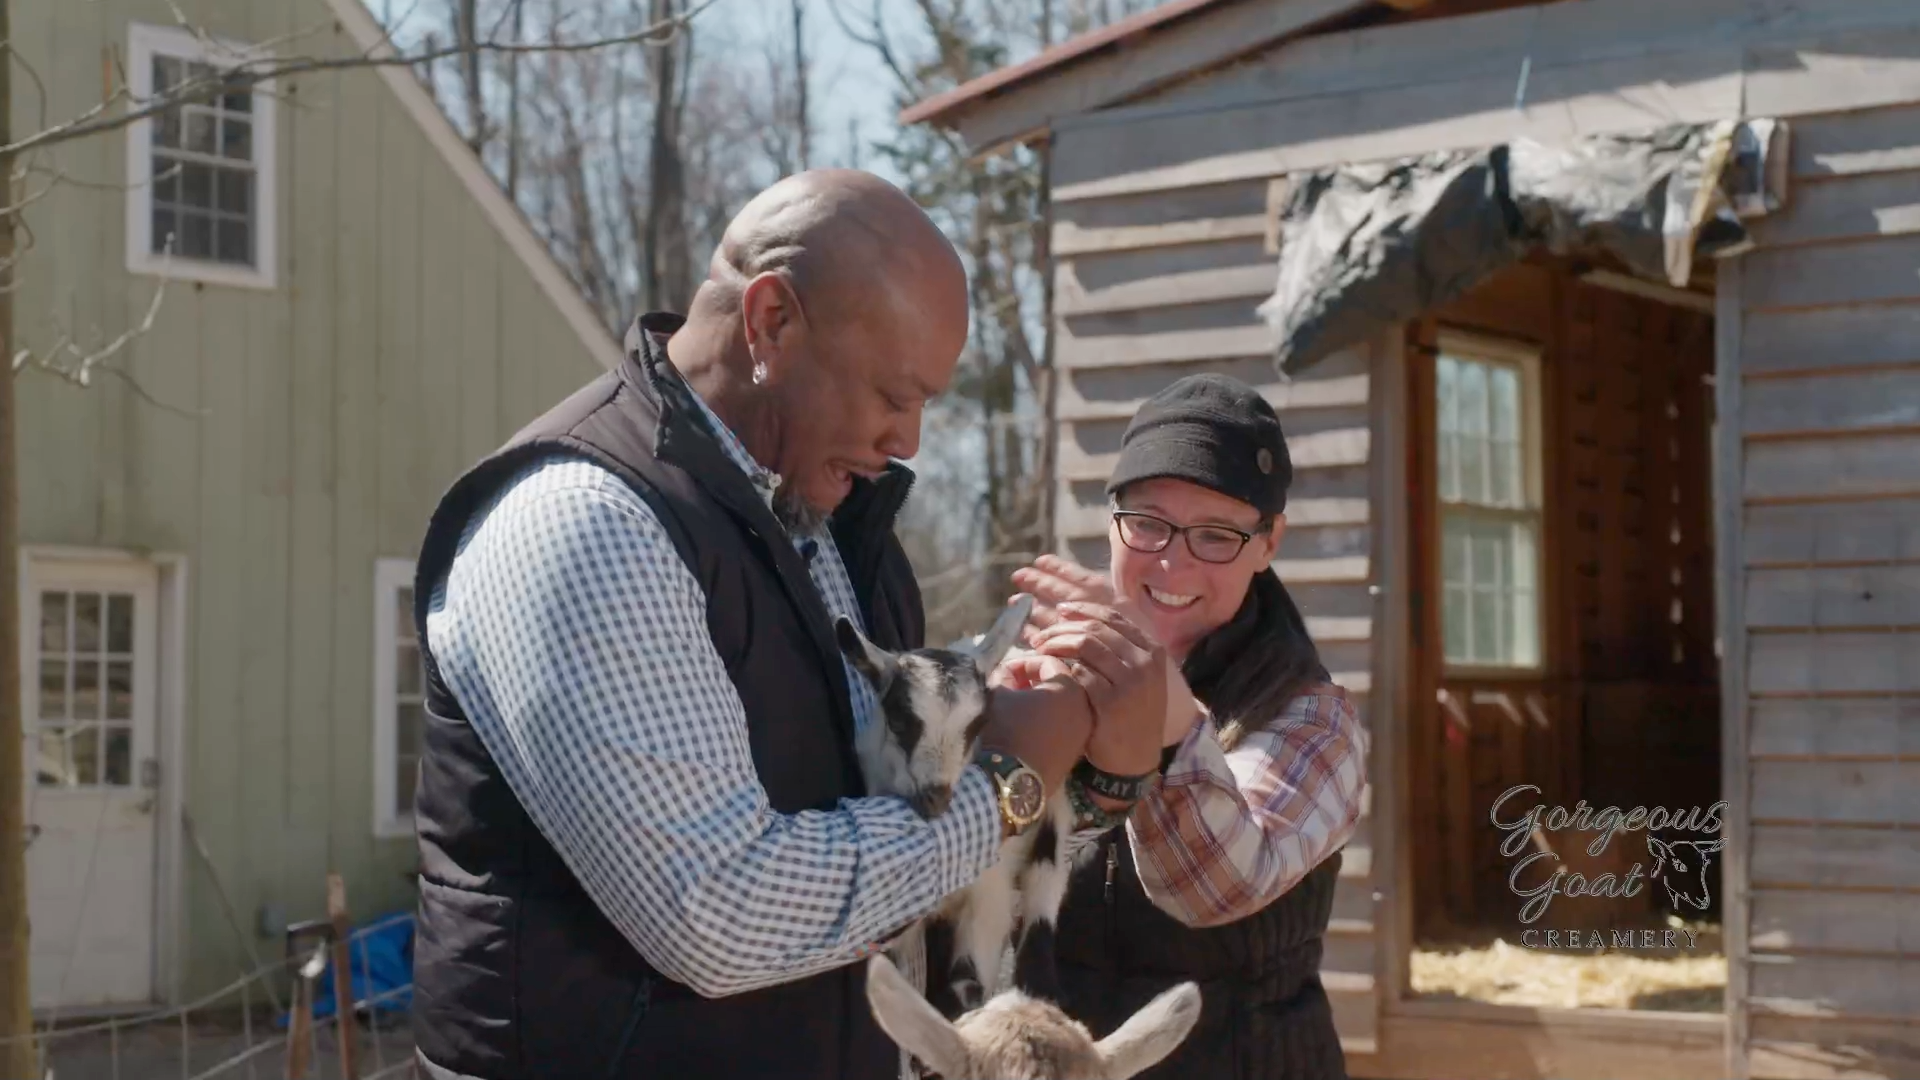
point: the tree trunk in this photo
(665, 259)
(801, 121)
(469, 30)
(1049, 375)
(16, 994)
(513, 105)
(426, 69)
(992, 408)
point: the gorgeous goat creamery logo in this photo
(1680, 866)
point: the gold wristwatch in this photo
(1022, 797)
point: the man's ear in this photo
(770, 316)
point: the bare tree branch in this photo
(68, 360)
(875, 38)
(39, 85)
(253, 71)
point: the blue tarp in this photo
(380, 965)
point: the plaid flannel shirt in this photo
(1225, 833)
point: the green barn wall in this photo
(308, 431)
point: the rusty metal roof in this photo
(942, 107)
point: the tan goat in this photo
(1016, 1037)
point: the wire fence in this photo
(222, 1034)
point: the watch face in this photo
(1025, 795)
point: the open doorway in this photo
(1564, 658)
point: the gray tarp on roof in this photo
(1367, 246)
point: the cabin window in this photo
(399, 697)
(200, 194)
(1488, 479)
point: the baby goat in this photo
(1015, 1037)
(933, 703)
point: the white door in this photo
(90, 675)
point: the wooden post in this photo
(342, 976)
(300, 1028)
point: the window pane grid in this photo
(171, 156)
(1488, 575)
(1479, 422)
(1489, 525)
(84, 726)
(409, 703)
(203, 191)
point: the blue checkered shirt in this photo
(575, 640)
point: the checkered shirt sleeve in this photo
(576, 641)
(1226, 833)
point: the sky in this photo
(850, 85)
(851, 90)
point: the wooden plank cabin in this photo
(1705, 573)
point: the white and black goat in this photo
(1017, 1037)
(933, 705)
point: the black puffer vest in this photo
(1264, 1014)
(517, 974)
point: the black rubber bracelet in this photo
(1113, 785)
(1087, 813)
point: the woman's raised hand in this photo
(1052, 581)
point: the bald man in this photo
(644, 845)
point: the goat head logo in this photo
(1681, 866)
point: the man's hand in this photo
(1124, 672)
(1046, 727)
(1026, 670)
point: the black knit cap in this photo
(1210, 430)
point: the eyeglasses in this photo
(1208, 543)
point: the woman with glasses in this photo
(1219, 866)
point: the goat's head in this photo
(933, 704)
(1684, 857)
(1015, 1037)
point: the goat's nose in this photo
(932, 802)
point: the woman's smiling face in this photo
(1184, 598)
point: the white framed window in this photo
(1488, 475)
(200, 174)
(399, 689)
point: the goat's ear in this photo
(917, 1026)
(1151, 1034)
(1658, 848)
(876, 663)
(991, 647)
